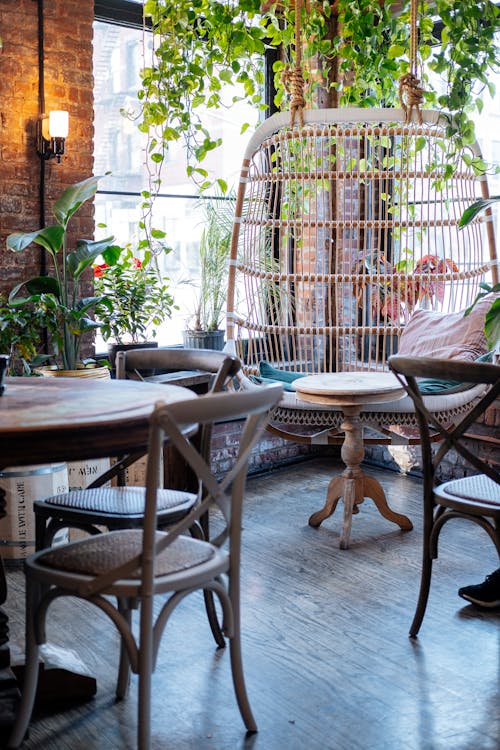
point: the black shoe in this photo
(486, 594)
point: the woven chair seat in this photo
(479, 487)
(99, 554)
(121, 501)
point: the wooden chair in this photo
(475, 497)
(345, 228)
(134, 565)
(123, 507)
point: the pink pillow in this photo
(446, 335)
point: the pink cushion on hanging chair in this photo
(446, 335)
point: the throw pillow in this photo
(446, 335)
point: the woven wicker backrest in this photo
(343, 229)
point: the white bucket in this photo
(22, 486)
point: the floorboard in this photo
(328, 661)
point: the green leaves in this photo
(51, 238)
(476, 208)
(72, 198)
(64, 313)
(201, 50)
(85, 254)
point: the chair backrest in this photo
(221, 365)
(131, 362)
(408, 370)
(343, 228)
(173, 422)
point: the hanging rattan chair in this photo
(346, 227)
(342, 232)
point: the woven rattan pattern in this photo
(121, 500)
(98, 554)
(478, 487)
(328, 418)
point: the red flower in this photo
(99, 270)
(136, 263)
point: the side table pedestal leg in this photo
(353, 485)
(373, 489)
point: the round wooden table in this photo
(350, 391)
(45, 420)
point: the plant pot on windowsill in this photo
(204, 339)
(92, 371)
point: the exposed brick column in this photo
(68, 85)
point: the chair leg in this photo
(31, 670)
(40, 526)
(423, 596)
(145, 674)
(236, 658)
(200, 532)
(123, 680)
(239, 679)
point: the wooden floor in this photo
(328, 661)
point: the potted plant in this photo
(203, 331)
(67, 314)
(135, 297)
(390, 292)
(21, 335)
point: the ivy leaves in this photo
(200, 49)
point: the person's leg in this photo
(486, 594)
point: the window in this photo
(120, 149)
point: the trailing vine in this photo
(357, 55)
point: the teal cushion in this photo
(283, 376)
(433, 386)
(427, 386)
(270, 374)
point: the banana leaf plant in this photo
(59, 294)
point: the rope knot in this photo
(411, 96)
(293, 81)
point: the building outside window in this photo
(120, 149)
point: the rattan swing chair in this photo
(345, 226)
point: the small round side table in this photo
(350, 391)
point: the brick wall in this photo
(269, 453)
(68, 85)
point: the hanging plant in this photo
(353, 53)
(199, 49)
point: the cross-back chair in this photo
(475, 497)
(122, 507)
(133, 566)
(346, 226)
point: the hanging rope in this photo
(411, 94)
(293, 80)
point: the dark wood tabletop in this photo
(65, 419)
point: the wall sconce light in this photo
(52, 132)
